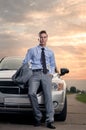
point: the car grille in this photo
(9, 87)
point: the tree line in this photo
(73, 89)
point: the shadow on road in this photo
(17, 118)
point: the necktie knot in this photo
(42, 49)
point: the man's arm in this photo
(52, 64)
(28, 56)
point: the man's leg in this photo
(47, 88)
(34, 83)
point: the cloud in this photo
(73, 58)
(15, 10)
(66, 17)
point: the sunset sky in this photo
(64, 21)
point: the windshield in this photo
(11, 63)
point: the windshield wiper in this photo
(5, 69)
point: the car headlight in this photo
(55, 104)
(57, 86)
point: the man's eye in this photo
(43, 37)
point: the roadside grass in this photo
(81, 97)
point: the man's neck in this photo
(42, 45)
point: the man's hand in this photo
(51, 75)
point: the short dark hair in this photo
(41, 32)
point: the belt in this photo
(36, 70)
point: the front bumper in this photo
(21, 103)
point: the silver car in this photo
(14, 98)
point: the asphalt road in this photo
(76, 119)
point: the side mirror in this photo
(63, 71)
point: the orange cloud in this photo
(72, 57)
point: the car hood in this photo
(7, 73)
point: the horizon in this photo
(79, 84)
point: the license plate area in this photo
(16, 101)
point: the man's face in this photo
(43, 39)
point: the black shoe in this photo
(37, 123)
(49, 125)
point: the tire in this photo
(62, 116)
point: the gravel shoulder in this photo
(76, 111)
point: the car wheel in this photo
(62, 116)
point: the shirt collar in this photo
(46, 48)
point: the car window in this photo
(11, 63)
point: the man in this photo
(42, 62)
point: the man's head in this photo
(43, 37)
